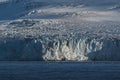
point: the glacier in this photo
(59, 30)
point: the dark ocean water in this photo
(59, 70)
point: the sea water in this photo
(36, 70)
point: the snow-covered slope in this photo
(78, 30)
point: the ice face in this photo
(52, 48)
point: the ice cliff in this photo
(75, 48)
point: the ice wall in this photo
(55, 48)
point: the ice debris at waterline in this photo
(53, 48)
